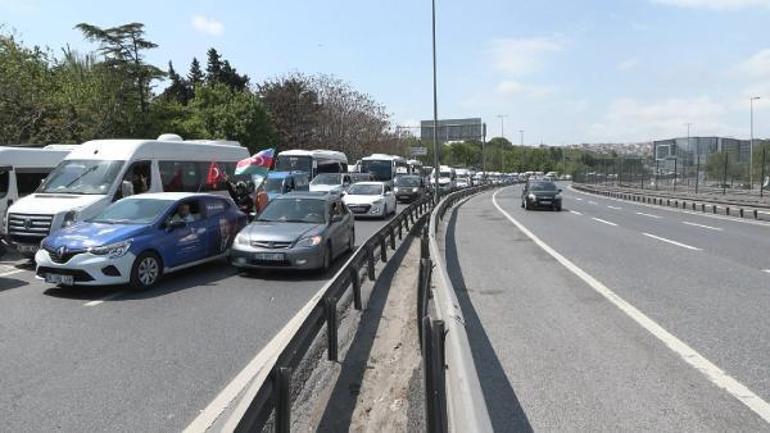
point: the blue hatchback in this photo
(138, 239)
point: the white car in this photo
(373, 199)
(330, 182)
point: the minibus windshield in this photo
(82, 176)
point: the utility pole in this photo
(483, 153)
(435, 112)
(751, 143)
(521, 137)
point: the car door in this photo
(337, 227)
(220, 226)
(188, 242)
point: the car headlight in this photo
(118, 249)
(309, 241)
(557, 197)
(395, 189)
(532, 197)
(69, 218)
(242, 239)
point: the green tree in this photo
(180, 89)
(213, 66)
(195, 76)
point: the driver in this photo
(183, 214)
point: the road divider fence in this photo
(454, 400)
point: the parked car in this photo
(409, 188)
(330, 182)
(373, 199)
(540, 194)
(139, 238)
(282, 182)
(298, 230)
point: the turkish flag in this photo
(214, 176)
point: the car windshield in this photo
(361, 177)
(407, 181)
(295, 210)
(75, 176)
(133, 211)
(445, 174)
(379, 169)
(292, 163)
(274, 185)
(542, 186)
(327, 179)
(359, 189)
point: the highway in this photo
(109, 360)
(614, 316)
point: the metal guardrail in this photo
(454, 400)
(270, 389)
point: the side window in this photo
(181, 176)
(139, 176)
(27, 181)
(188, 211)
(5, 181)
(337, 209)
(215, 207)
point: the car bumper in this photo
(407, 196)
(372, 211)
(87, 269)
(246, 257)
(543, 203)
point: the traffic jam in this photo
(129, 212)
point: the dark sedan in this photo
(298, 230)
(409, 187)
(541, 195)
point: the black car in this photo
(540, 194)
(409, 187)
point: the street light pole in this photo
(435, 110)
(751, 143)
(502, 134)
(521, 137)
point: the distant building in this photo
(686, 153)
(450, 130)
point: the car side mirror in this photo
(560, 190)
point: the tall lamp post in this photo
(521, 137)
(751, 143)
(435, 111)
(502, 134)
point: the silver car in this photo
(298, 230)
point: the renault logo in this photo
(61, 251)
(27, 223)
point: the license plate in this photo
(26, 248)
(269, 257)
(67, 280)
(545, 201)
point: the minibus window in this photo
(5, 180)
(83, 176)
(28, 182)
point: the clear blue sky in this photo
(564, 71)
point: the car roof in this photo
(172, 196)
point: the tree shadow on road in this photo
(505, 410)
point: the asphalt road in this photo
(109, 360)
(555, 354)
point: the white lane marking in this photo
(578, 199)
(604, 222)
(614, 207)
(716, 375)
(701, 226)
(103, 300)
(15, 271)
(679, 244)
(766, 270)
(657, 217)
(576, 212)
(592, 202)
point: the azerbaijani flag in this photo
(257, 164)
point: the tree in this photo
(179, 89)
(213, 66)
(195, 76)
(294, 108)
(231, 78)
(122, 48)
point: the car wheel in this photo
(146, 271)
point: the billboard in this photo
(453, 130)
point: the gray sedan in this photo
(299, 230)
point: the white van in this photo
(100, 172)
(23, 169)
(446, 178)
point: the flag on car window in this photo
(260, 163)
(214, 176)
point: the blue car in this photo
(138, 239)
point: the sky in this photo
(563, 71)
